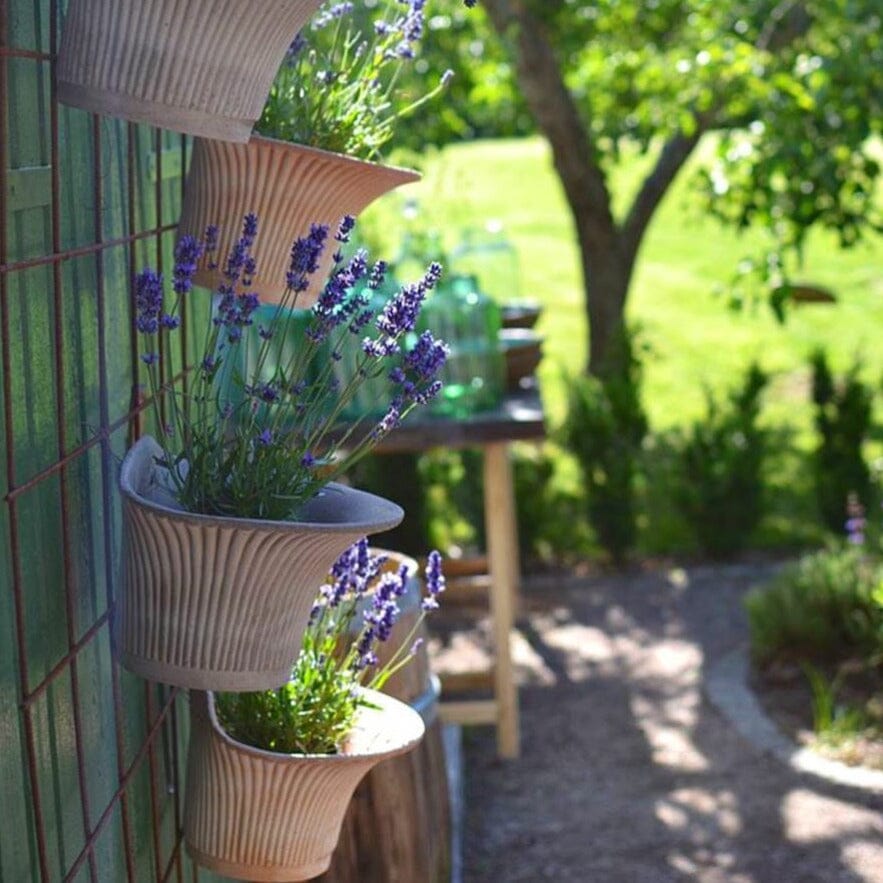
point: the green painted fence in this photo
(91, 758)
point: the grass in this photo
(696, 343)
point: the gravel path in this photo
(628, 775)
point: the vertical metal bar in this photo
(185, 313)
(107, 484)
(151, 765)
(176, 789)
(61, 430)
(12, 506)
(136, 423)
(165, 370)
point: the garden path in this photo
(628, 774)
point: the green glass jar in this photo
(469, 321)
(492, 258)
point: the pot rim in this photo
(148, 446)
(404, 176)
(406, 724)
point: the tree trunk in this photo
(606, 276)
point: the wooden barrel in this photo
(398, 829)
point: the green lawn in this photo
(695, 341)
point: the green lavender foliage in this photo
(722, 456)
(843, 420)
(340, 87)
(312, 714)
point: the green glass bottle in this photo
(469, 321)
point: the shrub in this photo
(604, 429)
(843, 420)
(722, 461)
(821, 609)
(552, 528)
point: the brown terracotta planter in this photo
(222, 603)
(255, 815)
(203, 67)
(289, 187)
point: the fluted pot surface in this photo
(289, 187)
(255, 815)
(218, 603)
(203, 67)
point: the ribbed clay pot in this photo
(255, 815)
(203, 67)
(289, 188)
(216, 603)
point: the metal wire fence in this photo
(91, 758)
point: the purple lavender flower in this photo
(188, 251)
(297, 46)
(331, 14)
(400, 314)
(346, 227)
(265, 438)
(378, 275)
(305, 255)
(427, 357)
(435, 581)
(148, 301)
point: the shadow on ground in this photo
(628, 775)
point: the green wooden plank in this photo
(28, 188)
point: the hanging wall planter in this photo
(255, 815)
(203, 67)
(217, 603)
(289, 187)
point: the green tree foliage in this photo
(792, 87)
(843, 420)
(482, 100)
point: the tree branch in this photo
(654, 187)
(556, 113)
(787, 22)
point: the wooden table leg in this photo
(503, 561)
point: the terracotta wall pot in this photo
(221, 603)
(289, 187)
(255, 815)
(203, 67)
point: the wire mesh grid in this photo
(90, 757)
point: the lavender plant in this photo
(339, 86)
(258, 445)
(354, 614)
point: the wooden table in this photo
(519, 418)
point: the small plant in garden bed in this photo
(265, 450)
(339, 87)
(315, 711)
(822, 609)
(817, 636)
